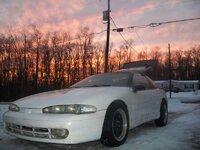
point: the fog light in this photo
(59, 133)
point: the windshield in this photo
(108, 79)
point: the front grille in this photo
(29, 131)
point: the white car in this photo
(101, 107)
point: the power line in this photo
(123, 36)
(154, 24)
(139, 38)
(97, 33)
(91, 34)
(168, 22)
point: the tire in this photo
(116, 125)
(163, 119)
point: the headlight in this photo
(13, 107)
(70, 109)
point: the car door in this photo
(142, 99)
(155, 101)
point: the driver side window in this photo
(138, 79)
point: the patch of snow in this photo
(186, 97)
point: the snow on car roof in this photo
(142, 63)
(141, 70)
(141, 66)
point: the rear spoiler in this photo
(139, 66)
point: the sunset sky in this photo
(71, 15)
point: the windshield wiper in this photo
(76, 87)
(103, 85)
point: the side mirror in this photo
(138, 87)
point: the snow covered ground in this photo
(181, 133)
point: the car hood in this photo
(96, 96)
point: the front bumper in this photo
(37, 127)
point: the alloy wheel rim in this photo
(119, 124)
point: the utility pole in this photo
(170, 73)
(108, 37)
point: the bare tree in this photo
(85, 41)
(32, 61)
(37, 38)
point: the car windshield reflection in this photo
(119, 79)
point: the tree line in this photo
(32, 61)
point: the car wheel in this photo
(163, 119)
(116, 125)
